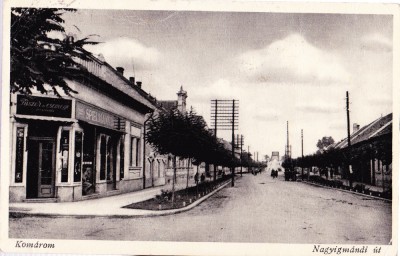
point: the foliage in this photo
(186, 135)
(325, 142)
(36, 58)
(380, 149)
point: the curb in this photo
(19, 214)
(348, 191)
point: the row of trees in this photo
(186, 135)
(380, 149)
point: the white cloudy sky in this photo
(281, 67)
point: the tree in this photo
(186, 136)
(324, 143)
(38, 59)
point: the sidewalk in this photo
(102, 207)
(370, 190)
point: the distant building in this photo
(274, 155)
(184, 166)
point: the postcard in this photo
(200, 128)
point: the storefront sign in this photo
(98, 117)
(42, 106)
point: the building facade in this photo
(82, 146)
(371, 152)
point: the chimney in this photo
(139, 84)
(356, 127)
(132, 80)
(120, 70)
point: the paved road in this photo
(257, 209)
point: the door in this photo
(111, 163)
(46, 157)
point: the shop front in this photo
(103, 149)
(37, 127)
(68, 150)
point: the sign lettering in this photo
(96, 116)
(43, 106)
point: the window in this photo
(134, 152)
(103, 156)
(64, 155)
(19, 154)
(78, 156)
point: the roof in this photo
(104, 71)
(378, 127)
(168, 104)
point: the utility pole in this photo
(239, 145)
(348, 139)
(241, 152)
(302, 156)
(225, 116)
(215, 134)
(288, 149)
(348, 119)
(248, 159)
(233, 143)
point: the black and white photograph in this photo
(232, 128)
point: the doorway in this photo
(111, 164)
(41, 168)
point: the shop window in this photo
(88, 175)
(19, 154)
(109, 162)
(78, 156)
(64, 155)
(134, 152)
(103, 157)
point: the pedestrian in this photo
(202, 178)
(196, 178)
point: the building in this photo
(184, 167)
(82, 146)
(371, 152)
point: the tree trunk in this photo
(187, 175)
(197, 181)
(215, 172)
(173, 180)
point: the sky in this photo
(280, 66)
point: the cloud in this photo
(292, 60)
(219, 89)
(128, 53)
(318, 109)
(266, 117)
(376, 42)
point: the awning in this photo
(46, 118)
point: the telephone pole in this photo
(248, 159)
(348, 119)
(225, 116)
(302, 156)
(348, 139)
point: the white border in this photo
(174, 248)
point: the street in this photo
(258, 209)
